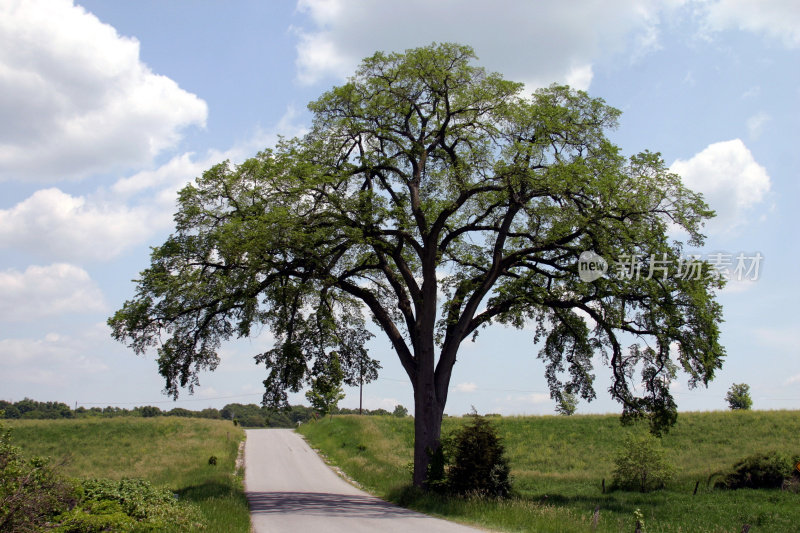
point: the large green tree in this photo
(436, 198)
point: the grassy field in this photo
(558, 464)
(168, 451)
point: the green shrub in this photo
(480, 466)
(94, 517)
(30, 490)
(152, 507)
(759, 471)
(642, 464)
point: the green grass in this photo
(167, 451)
(558, 464)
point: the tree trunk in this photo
(427, 427)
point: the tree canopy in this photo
(436, 198)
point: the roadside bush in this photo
(479, 465)
(34, 497)
(30, 490)
(642, 464)
(759, 471)
(127, 505)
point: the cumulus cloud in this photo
(53, 224)
(779, 19)
(58, 226)
(534, 42)
(76, 97)
(51, 360)
(47, 290)
(731, 181)
(466, 387)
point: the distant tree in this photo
(326, 389)
(738, 397)
(400, 411)
(210, 412)
(180, 411)
(567, 404)
(149, 411)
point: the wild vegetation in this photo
(559, 466)
(246, 415)
(148, 458)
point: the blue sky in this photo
(108, 108)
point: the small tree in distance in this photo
(567, 404)
(400, 411)
(738, 397)
(326, 389)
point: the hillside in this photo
(559, 463)
(169, 452)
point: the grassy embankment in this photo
(558, 464)
(169, 452)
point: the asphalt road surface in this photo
(291, 489)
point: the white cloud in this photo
(466, 387)
(731, 181)
(76, 97)
(779, 19)
(756, 123)
(47, 290)
(51, 360)
(372, 402)
(55, 225)
(534, 42)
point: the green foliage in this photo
(31, 492)
(400, 411)
(480, 466)
(127, 505)
(758, 471)
(565, 459)
(641, 464)
(326, 389)
(567, 404)
(424, 163)
(168, 452)
(29, 409)
(149, 411)
(738, 397)
(34, 497)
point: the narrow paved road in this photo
(291, 489)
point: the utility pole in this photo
(360, 392)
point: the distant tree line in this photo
(247, 415)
